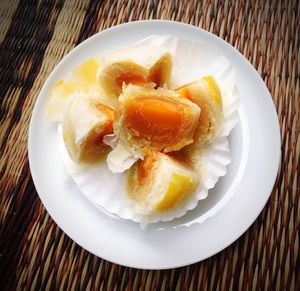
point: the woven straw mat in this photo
(35, 254)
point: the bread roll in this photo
(138, 65)
(206, 94)
(155, 119)
(85, 123)
(159, 183)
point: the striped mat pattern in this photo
(34, 253)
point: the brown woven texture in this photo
(35, 254)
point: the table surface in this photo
(35, 254)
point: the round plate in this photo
(238, 197)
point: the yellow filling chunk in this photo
(88, 70)
(214, 89)
(180, 187)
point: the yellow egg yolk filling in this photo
(155, 119)
(128, 78)
(144, 167)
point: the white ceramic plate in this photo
(239, 196)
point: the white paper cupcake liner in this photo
(191, 61)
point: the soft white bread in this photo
(206, 94)
(138, 65)
(159, 183)
(85, 122)
(81, 79)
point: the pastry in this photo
(81, 79)
(139, 66)
(206, 94)
(159, 183)
(150, 119)
(85, 123)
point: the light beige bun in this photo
(85, 122)
(138, 65)
(206, 94)
(155, 119)
(81, 79)
(159, 183)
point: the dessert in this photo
(161, 134)
(82, 78)
(139, 66)
(85, 123)
(150, 119)
(159, 183)
(206, 94)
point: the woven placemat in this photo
(35, 254)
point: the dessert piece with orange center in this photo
(150, 119)
(206, 94)
(138, 66)
(159, 183)
(85, 123)
(81, 79)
